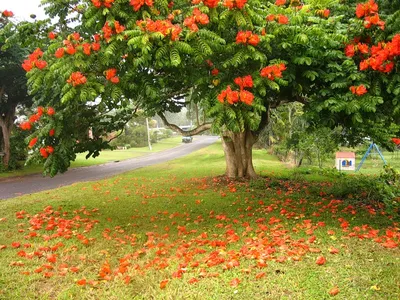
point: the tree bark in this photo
(238, 148)
(6, 123)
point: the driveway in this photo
(18, 186)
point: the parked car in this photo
(187, 139)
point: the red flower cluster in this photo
(118, 27)
(111, 75)
(351, 49)
(243, 95)
(33, 142)
(46, 151)
(358, 90)
(7, 14)
(366, 9)
(197, 17)
(274, 71)
(396, 141)
(34, 61)
(281, 19)
(77, 78)
(52, 35)
(280, 2)
(382, 56)
(234, 3)
(105, 3)
(369, 11)
(36, 117)
(208, 3)
(323, 12)
(247, 37)
(137, 4)
(244, 82)
(165, 27)
(72, 45)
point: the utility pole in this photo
(148, 134)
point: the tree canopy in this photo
(236, 59)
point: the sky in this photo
(23, 8)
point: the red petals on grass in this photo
(163, 283)
(334, 291)
(320, 260)
(234, 282)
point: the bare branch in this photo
(176, 128)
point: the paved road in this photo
(35, 183)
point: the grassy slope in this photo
(105, 156)
(170, 220)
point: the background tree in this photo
(13, 89)
(236, 59)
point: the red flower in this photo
(27, 65)
(366, 9)
(282, 19)
(96, 3)
(95, 46)
(86, 48)
(40, 110)
(246, 97)
(70, 50)
(334, 291)
(114, 79)
(240, 3)
(118, 28)
(50, 111)
(49, 149)
(320, 260)
(41, 64)
(163, 283)
(110, 73)
(214, 72)
(7, 14)
(52, 35)
(43, 152)
(75, 36)
(271, 72)
(34, 118)
(81, 281)
(59, 53)
(280, 2)
(363, 48)
(77, 78)
(25, 126)
(270, 18)
(234, 282)
(211, 3)
(358, 90)
(137, 4)
(349, 50)
(326, 13)
(52, 132)
(247, 37)
(15, 244)
(33, 142)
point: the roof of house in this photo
(345, 155)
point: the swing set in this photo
(374, 146)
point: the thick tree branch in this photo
(176, 128)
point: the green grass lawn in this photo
(105, 156)
(180, 231)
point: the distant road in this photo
(18, 186)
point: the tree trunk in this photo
(238, 148)
(6, 123)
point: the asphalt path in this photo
(18, 186)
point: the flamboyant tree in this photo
(235, 59)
